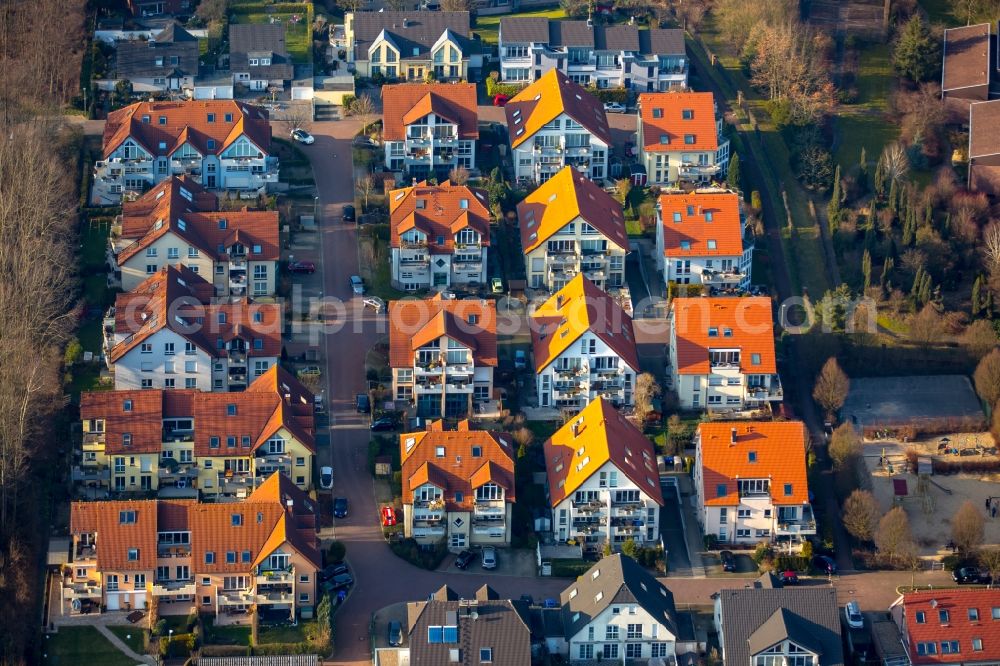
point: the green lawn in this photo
(864, 124)
(940, 11)
(228, 635)
(179, 623)
(298, 35)
(81, 645)
(282, 634)
(488, 27)
(132, 636)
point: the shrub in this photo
(494, 87)
(807, 550)
(337, 552)
(410, 550)
(711, 542)
(606, 95)
(762, 553)
(791, 563)
(160, 628)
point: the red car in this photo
(301, 267)
(500, 100)
(388, 516)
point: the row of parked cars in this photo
(487, 558)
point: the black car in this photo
(825, 564)
(383, 424)
(340, 581)
(363, 403)
(333, 571)
(528, 599)
(340, 507)
(728, 560)
(395, 634)
(966, 575)
(349, 215)
(464, 559)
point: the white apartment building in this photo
(751, 481)
(584, 348)
(603, 56)
(722, 354)
(554, 123)
(221, 144)
(570, 226)
(680, 138)
(700, 239)
(603, 485)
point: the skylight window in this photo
(711, 244)
(713, 332)
(689, 139)
(687, 114)
(657, 113)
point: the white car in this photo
(614, 107)
(326, 478)
(357, 285)
(852, 613)
(489, 557)
(302, 136)
(375, 303)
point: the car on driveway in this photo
(970, 575)
(363, 404)
(852, 613)
(388, 516)
(500, 99)
(496, 285)
(308, 371)
(384, 424)
(302, 136)
(464, 559)
(326, 478)
(395, 634)
(520, 359)
(825, 564)
(728, 561)
(357, 285)
(789, 578)
(349, 214)
(340, 506)
(489, 557)
(614, 107)
(528, 599)
(306, 267)
(375, 303)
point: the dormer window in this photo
(463, 204)
(687, 114)
(222, 223)
(713, 332)
(421, 204)
(685, 245)
(210, 144)
(689, 139)
(711, 244)
(163, 120)
(657, 113)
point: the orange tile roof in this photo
(405, 103)
(695, 228)
(966, 58)
(414, 323)
(957, 627)
(560, 200)
(187, 122)
(176, 298)
(579, 307)
(114, 539)
(458, 470)
(739, 323)
(545, 100)
(180, 206)
(597, 435)
(778, 451)
(670, 107)
(273, 401)
(442, 214)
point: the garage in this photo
(114, 601)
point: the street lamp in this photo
(316, 210)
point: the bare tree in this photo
(893, 538)
(845, 446)
(927, 328)
(895, 162)
(623, 186)
(968, 527)
(987, 378)
(365, 187)
(646, 390)
(989, 559)
(456, 5)
(350, 5)
(860, 515)
(299, 115)
(831, 387)
(459, 175)
(980, 337)
(991, 246)
(396, 5)
(363, 108)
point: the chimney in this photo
(732, 436)
(290, 503)
(559, 301)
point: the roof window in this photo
(687, 114)
(657, 113)
(689, 139)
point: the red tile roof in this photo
(414, 323)
(966, 57)
(180, 206)
(958, 627)
(458, 470)
(778, 451)
(677, 115)
(695, 228)
(116, 538)
(724, 323)
(187, 122)
(545, 100)
(445, 210)
(405, 103)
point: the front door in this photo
(210, 181)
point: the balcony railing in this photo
(92, 473)
(185, 587)
(236, 597)
(81, 591)
(275, 598)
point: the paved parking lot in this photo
(510, 562)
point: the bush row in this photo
(284, 648)
(495, 87)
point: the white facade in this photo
(488, 524)
(576, 248)
(588, 369)
(415, 266)
(559, 143)
(670, 167)
(719, 271)
(431, 146)
(444, 380)
(620, 633)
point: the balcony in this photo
(626, 505)
(185, 587)
(697, 170)
(407, 245)
(84, 553)
(236, 598)
(803, 524)
(588, 506)
(172, 550)
(274, 598)
(427, 520)
(772, 392)
(427, 369)
(490, 508)
(428, 532)
(721, 278)
(81, 591)
(237, 357)
(584, 521)
(411, 263)
(92, 474)
(176, 471)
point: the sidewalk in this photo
(126, 650)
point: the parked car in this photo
(550, 603)
(614, 107)
(388, 516)
(326, 478)
(966, 575)
(375, 303)
(384, 424)
(825, 564)
(789, 578)
(340, 581)
(349, 214)
(464, 559)
(528, 599)
(496, 285)
(340, 506)
(395, 634)
(728, 560)
(520, 359)
(500, 99)
(357, 285)
(431, 6)
(302, 136)
(306, 267)
(308, 371)
(489, 557)
(363, 404)
(318, 405)
(333, 570)
(852, 613)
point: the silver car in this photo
(489, 557)
(357, 285)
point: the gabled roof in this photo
(180, 300)
(668, 118)
(439, 212)
(256, 40)
(182, 207)
(458, 470)
(809, 614)
(412, 32)
(966, 57)
(692, 222)
(616, 579)
(597, 435)
(744, 324)
(138, 58)
(414, 323)
(406, 103)
(563, 198)
(545, 100)
(115, 538)
(984, 118)
(662, 41)
(575, 309)
(957, 627)
(562, 33)
(186, 122)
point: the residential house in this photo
(411, 45)
(984, 147)
(169, 333)
(258, 57)
(766, 623)
(751, 482)
(147, 8)
(554, 123)
(619, 612)
(221, 144)
(458, 486)
(602, 481)
(949, 626)
(700, 239)
(168, 61)
(446, 629)
(442, 353)
(570, 226)
(429, 128)
(179, 221)
(439, 235)
(722, 354)
(603, 56)
(680, 138)
(220, 559)
(965, 69)
(584, 348)
(186, 442)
